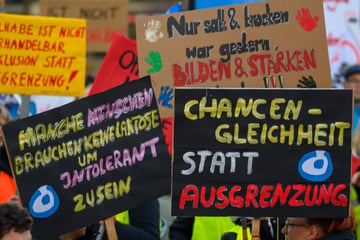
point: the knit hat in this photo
(351, 69)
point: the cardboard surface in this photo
(234, 46)
(104, 18)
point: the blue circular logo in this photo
(163, 227)
(316, 166)
(44, 202)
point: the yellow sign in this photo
(42, 55)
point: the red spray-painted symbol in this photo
(72, 76)
(306, 21)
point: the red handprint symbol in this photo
(306, 21)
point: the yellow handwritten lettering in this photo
(255, 112)
(224, 106)
(187, 111)
(274, 107)
(79, 200)
(224, 138)
(108, 191)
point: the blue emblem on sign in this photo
(44, 202)
(316, 166)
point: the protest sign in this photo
(42, 55)
(264, 44)
(104, 18)
(120, 65)
(90, 159)
(262, 152)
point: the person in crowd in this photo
(352, 81)
(187, 228)
(319, 228)
(142, 222)
(165, 216)
(194, 228)
(355, 179)
(15, 222)
(4, 119)
(7, 183)
(269, 229)
(355, 161)
(139, 223)
(224, 228)
(91, 232)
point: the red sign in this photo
(120, 65)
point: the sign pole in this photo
(256, 229)
(25, 106)
(110, 228)
(244, 228)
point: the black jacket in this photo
(4, 161)
(344, 235)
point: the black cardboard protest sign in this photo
(90, 159)
(262, 152)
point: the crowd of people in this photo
(145, 221)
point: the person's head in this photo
(15, 222)
(4, 119)
(352, 81)
(315, 228)
(4, 115)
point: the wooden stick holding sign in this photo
(244, 228)
(256, 229)
(110, 228)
